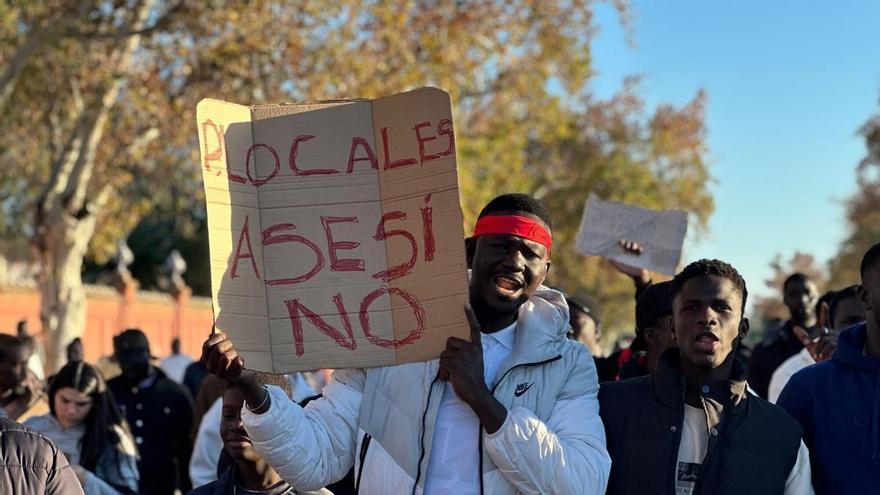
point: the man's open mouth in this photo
(508, 284)
(707, 341)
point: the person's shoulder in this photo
(39, 423)
(167, 385)
(577, 359)
(116, 383)
(30, 445)
(774, 417)
(621, 394)
(625, 388)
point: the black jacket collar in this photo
(668, 383)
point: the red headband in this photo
(514, 225)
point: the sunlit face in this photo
(13, 367)
(800, 297)
(583, 328)
(235, 439)
(506, 269)
(71, 406)
(706, 320)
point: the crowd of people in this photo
(526, 405)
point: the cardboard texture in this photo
(335, 230)
(661, 234)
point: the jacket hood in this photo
(553, 304)
(850, 350)
(541, 327)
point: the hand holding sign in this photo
(660, 233)
(222, 360)
(639, 275)
(335, 229)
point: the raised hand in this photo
(639, 275)
(221, 358)
(461, 364)
(823, 345)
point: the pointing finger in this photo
(474, 324)
(802, 336)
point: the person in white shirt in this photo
(175, 365)
(843, 310)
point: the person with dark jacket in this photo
(692, 427)
(653, 331)
(799, 294)
(30, 464)
(241, 467)
(159, 413)
(838, 401)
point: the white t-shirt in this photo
(695, 443)
(454, 466)
(175, 366)
(785, 371)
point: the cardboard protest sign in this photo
(335, 230)
(661, 234)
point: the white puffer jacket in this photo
(381, 420)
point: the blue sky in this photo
(789, 85)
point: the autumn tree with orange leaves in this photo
(97, 103)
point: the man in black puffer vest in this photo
(693, 427)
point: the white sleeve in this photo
(312, 447)
(800, 480)
(567, 454)
(777, 382)
(207, 447)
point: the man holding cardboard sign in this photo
(513, 410)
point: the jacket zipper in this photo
(365, 444)
(480, 439)
(422, 440)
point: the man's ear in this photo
(864, 297)
(743, 328)
(470, 247)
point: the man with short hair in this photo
(159, 413)
(800, 296)
(693, 427)
(242, 468)
(838, 401)
(843, 309)
(21, 394)
(653, 331)
(585, 319)
(513, 410)
(176, 363)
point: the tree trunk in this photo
(63, 301)
(66, 211)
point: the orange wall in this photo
(154, 313)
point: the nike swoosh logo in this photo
(522, 388)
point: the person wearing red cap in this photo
(513, 410)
